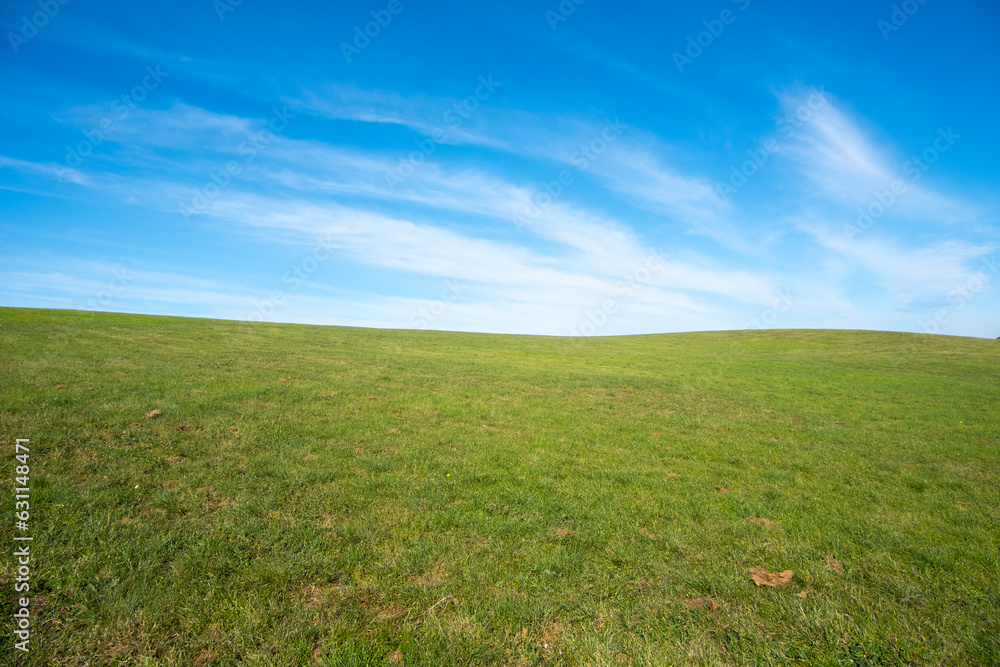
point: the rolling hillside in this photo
(341, 496)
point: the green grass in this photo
(429, 498)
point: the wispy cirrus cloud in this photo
(922, 274)
(608, 150)
(47, 170)
(846, 164)
(451, 219)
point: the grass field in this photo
(339, 496)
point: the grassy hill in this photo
(341, 496)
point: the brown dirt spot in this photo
(390, 612)
(396, 657)
(393, 430)
(175, 459)
(831, 563)
(563, 532)
(60, 386)
(107, 436)
(656, 435)
(135, 425)
(153, 414)
(722, 489)
(622, 658)
(431, 577)
(129, 522)
(551, 632)
(762, 577)
(461, 502)
(650, 535)
(699, 603)
(310, 457)
(334, 393)
(312, 596)
(672, 474)
(183, 427)
(205, 657)
(234, 429)
(763, 522)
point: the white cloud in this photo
(46, 170)
(917, 275)
(833, 151)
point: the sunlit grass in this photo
(324, 495)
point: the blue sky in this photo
(520, 167)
